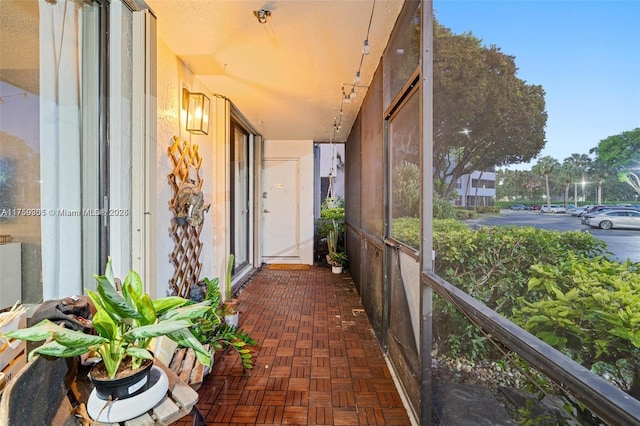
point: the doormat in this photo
(289, 266)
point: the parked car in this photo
(517, 207)
(608, 219)
(579, 210)
(553, 208)
(600, 209)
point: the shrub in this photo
(590, 310)
(443, 209)
(464, 214)
(493, 265)
(407, 230)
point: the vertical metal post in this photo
(427, 258)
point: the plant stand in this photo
(126, 409)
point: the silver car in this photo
(615, 219)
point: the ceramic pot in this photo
(336, 269)
(125, 409)
(181, 220)
(121, 388)
(232, 319)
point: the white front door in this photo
(280, 210)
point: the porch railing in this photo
(605, 400)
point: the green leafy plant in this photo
(493, 265)
(338, 258)
(211, 330)
(230, 304)
(590, 310)
(125, 325)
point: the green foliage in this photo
(230, 264)
(492, 264)
(338, 258)
(406, 190)
(476, 88)
(619, 152)
(487, 209)
(336, 213)
(211, 330)
(407, 230)
(443, 209)
(590, 310)
(464, 214)
(125, 325)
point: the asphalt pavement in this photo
(622, 243)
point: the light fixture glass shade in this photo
(366, 49)
(197, 105)
(352, 95)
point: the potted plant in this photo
(125, 324)
(212, 330)
(230, 305)
(338, 261)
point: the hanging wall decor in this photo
(187, 206)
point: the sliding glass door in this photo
(240, 168)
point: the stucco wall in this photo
(173, 75)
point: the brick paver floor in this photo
(317, 361)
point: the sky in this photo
(584, 53)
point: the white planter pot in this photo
(126, 409)
(232, 320)
(336, 269)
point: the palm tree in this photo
(574, 167)
(545, 167)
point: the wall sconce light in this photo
(197, 105)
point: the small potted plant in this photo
(125, 324)
(212, 329)
(338, 261)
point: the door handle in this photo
(266, 211)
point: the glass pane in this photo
(42, 61)
(404, 196)
(240, 197)
(402, 55)
(20, 215)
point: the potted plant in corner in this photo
(124, 325)
(338, 261)
(230, 305)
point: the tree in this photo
(484, 116)
(546, 166)
(621, 154)
(573, 167)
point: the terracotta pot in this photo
(121, 388)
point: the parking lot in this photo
(622, 243)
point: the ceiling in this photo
(285, 75)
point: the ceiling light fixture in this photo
(262, 15)
(357, 79)
(366, 49)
